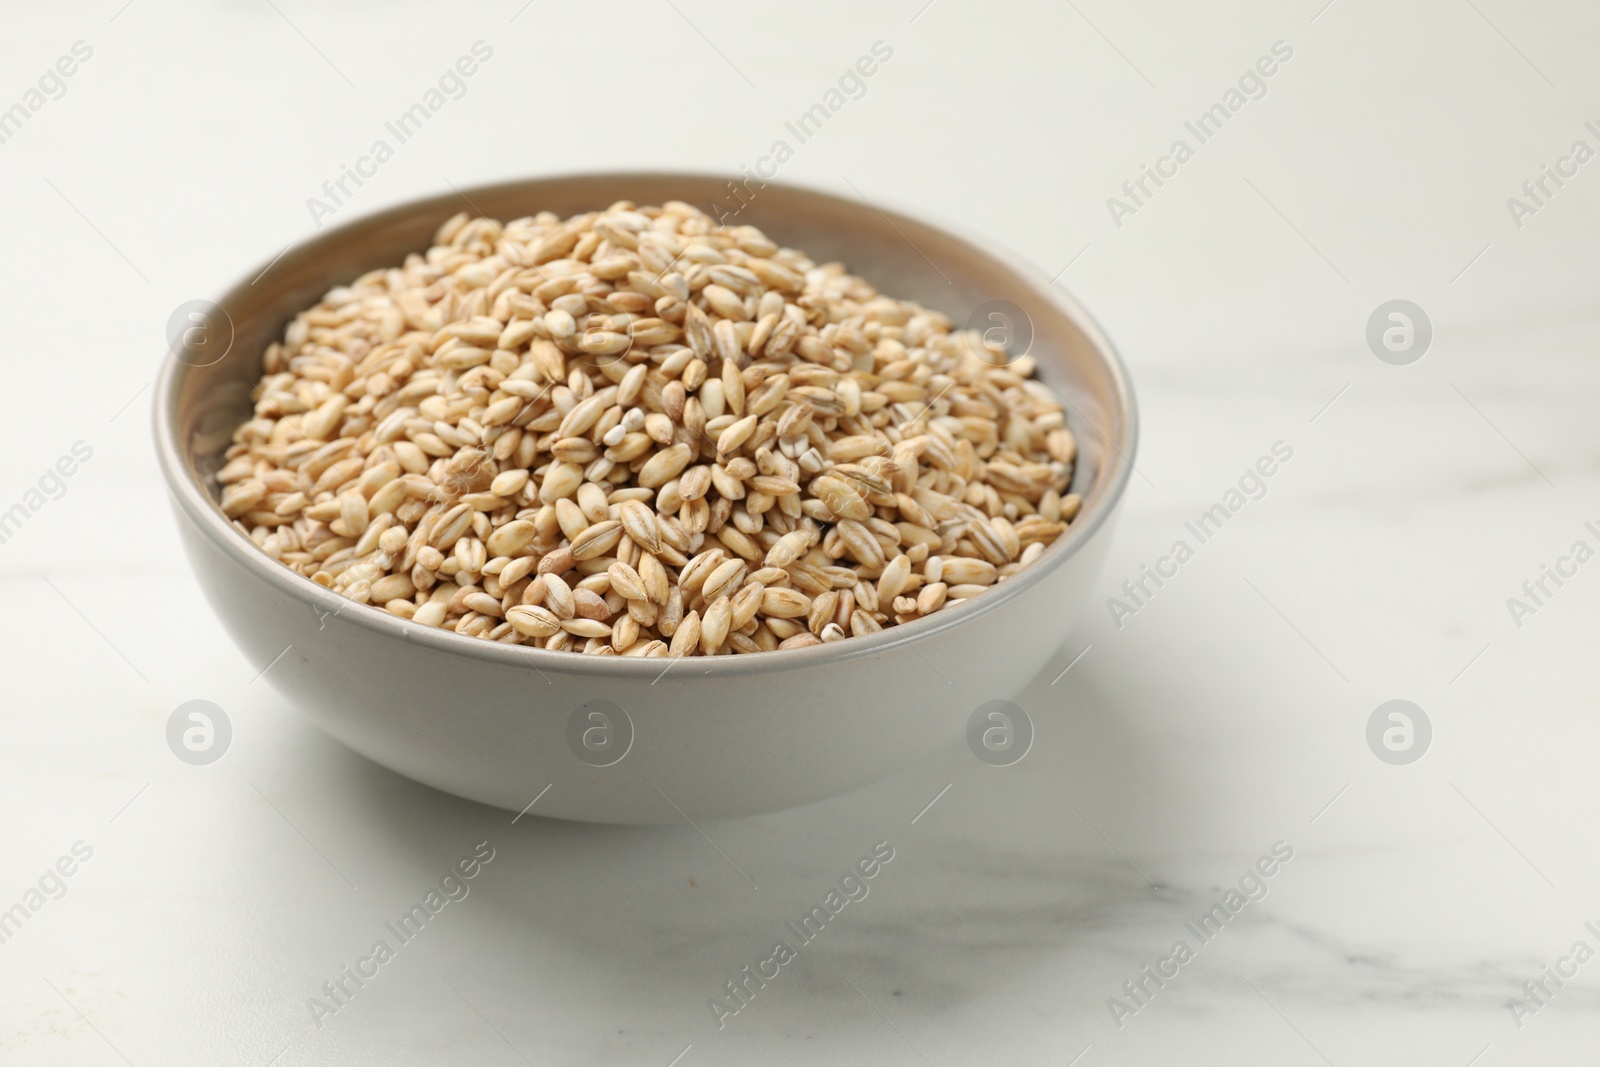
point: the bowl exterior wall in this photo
(742, 745)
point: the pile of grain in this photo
(634, 432)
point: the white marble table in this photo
(1227, 715)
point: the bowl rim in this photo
(197, 506)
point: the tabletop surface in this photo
(1214, 747)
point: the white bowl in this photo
(699, 737)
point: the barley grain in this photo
(636, 432)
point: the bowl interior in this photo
(198, 407)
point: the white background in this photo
(1220, 719)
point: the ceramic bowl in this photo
(619, 740)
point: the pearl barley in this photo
(636, 432)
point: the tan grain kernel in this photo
(686, 637)
(597, 540)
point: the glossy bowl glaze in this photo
(699, 737)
